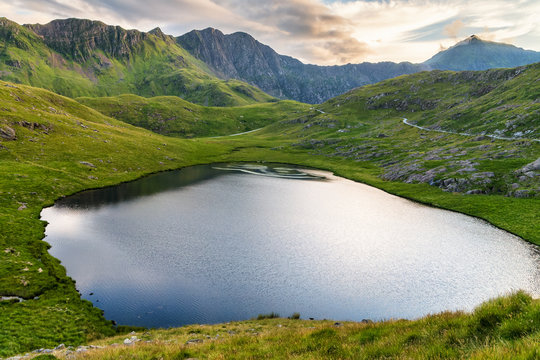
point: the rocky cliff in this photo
(240, 56)
(78, 39)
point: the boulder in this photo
(7, 133)
(522, 193)
(534, 166)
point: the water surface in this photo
(211, 244)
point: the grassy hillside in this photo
(51, 146)
(150, 64)
(172, 116)
(366, 125)
(502, 102)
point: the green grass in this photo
(173, 116)
(504, 328)
(501, 102)
(57, 136)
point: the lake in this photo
(222, 242)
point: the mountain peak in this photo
(471, 40)
(210, 30)
(474, 53)
(158, 32)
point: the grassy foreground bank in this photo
(505, 328)
(52, 146)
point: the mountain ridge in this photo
(79, 57)
(241, 56)
(474, 53)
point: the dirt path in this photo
(406, 122)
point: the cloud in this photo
(454, 28)
(315, 31)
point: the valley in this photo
(122, 112)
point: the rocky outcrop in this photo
(78, 39)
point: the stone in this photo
(466, 169)
(535, 165)
(338, 324)
(366, 321)
(522, 193)
(86, 163)
(481, 138)
(474, 192)
(7, 133)
(194, 341)
(60, 347)
(482, 175)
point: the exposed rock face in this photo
(240, 56)
(78, 39)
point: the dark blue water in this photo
(211, 244)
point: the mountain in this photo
(76, 57)
(474, 53)
(240, 56)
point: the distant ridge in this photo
(79, 57)
(474, 53)
(242, 57)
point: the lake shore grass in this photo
(503, 328)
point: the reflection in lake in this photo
(215, 243)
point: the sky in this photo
(324, 32)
